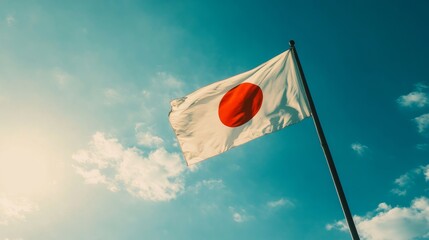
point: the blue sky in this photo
(86, 150)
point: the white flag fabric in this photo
(236, 110)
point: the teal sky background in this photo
(87, 152)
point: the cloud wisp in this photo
(10, 20)
(359, 148)
(417, 98)
(426, 172)
(240, 215)
(408, 179)
(422, 122)
(112, 96)
(282, 202)
(155, 176)
(15, 209)
(422, 146)
(209, 184)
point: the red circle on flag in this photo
(240, 104)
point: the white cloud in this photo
(146, 138)
(399, 223)
(426, 172)
(399, 192)
(156, 176)
(338, 225)
(239, 215)
(408, 179)
(422, 122)
(93, 176)
(15, 209)
(359, 148)
(383, 207)
(386, 223)
(282, 202)
(103, 152)
(416, 98)
(403, 180)
(193, 168)
(10, 20)
(149, 140)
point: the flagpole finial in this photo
(292, 43)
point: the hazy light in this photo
(24, 163)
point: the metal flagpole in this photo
(326, 150)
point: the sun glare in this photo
(24, 164)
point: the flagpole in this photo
(327, 152)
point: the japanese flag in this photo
(233, 111)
